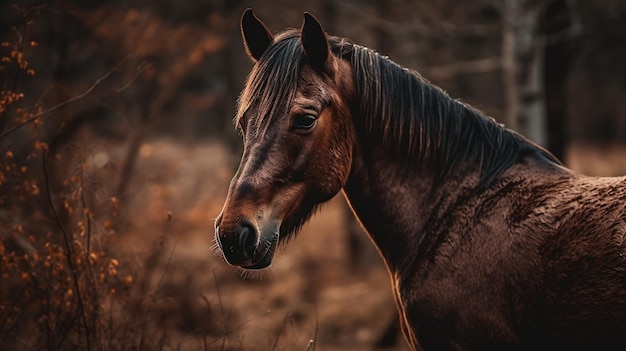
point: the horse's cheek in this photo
(325, 184)
(324, 178)
(334, 178)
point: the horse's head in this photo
(298, 139)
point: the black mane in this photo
(410, 115)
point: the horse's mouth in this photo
(266, 257)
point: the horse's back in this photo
(555, 276)
(581, 300)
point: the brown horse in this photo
(490, 242)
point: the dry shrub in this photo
(62, 288)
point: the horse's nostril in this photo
(238, 243)
(247, 240)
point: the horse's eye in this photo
(303, 122)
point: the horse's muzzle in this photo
(238, 244)
(245, 245)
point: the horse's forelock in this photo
(271, 85)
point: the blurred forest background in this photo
(116, 149)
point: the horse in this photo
(490, 242)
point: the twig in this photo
(416, 26)
(219, 298)
(311, 345)
(230, 330)
(153, 298)
(86, 211)
(19, 46)
(64, 103)
(313, 342)
(208, 304)
(280, 330)
(68, 247)
(227, 330)
(142, 67)
(88, 219)
(488, 64)
(9, 310)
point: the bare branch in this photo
(575, 29)
(142, 337)
(509, 67)
(66, 102)
(70, 252)
(142, 67)
(461, 67)
(219, 298)
(415, 26)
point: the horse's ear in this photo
(314, 42)
(256, 37)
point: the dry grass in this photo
(597, 160)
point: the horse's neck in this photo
(408, 214)
(394, 201)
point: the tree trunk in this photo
(560, 24)
(522, 69)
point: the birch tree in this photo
(522, 69)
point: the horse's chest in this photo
(442, 316)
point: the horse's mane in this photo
(414, 117)
(396, 107)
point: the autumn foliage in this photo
(58, 280)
